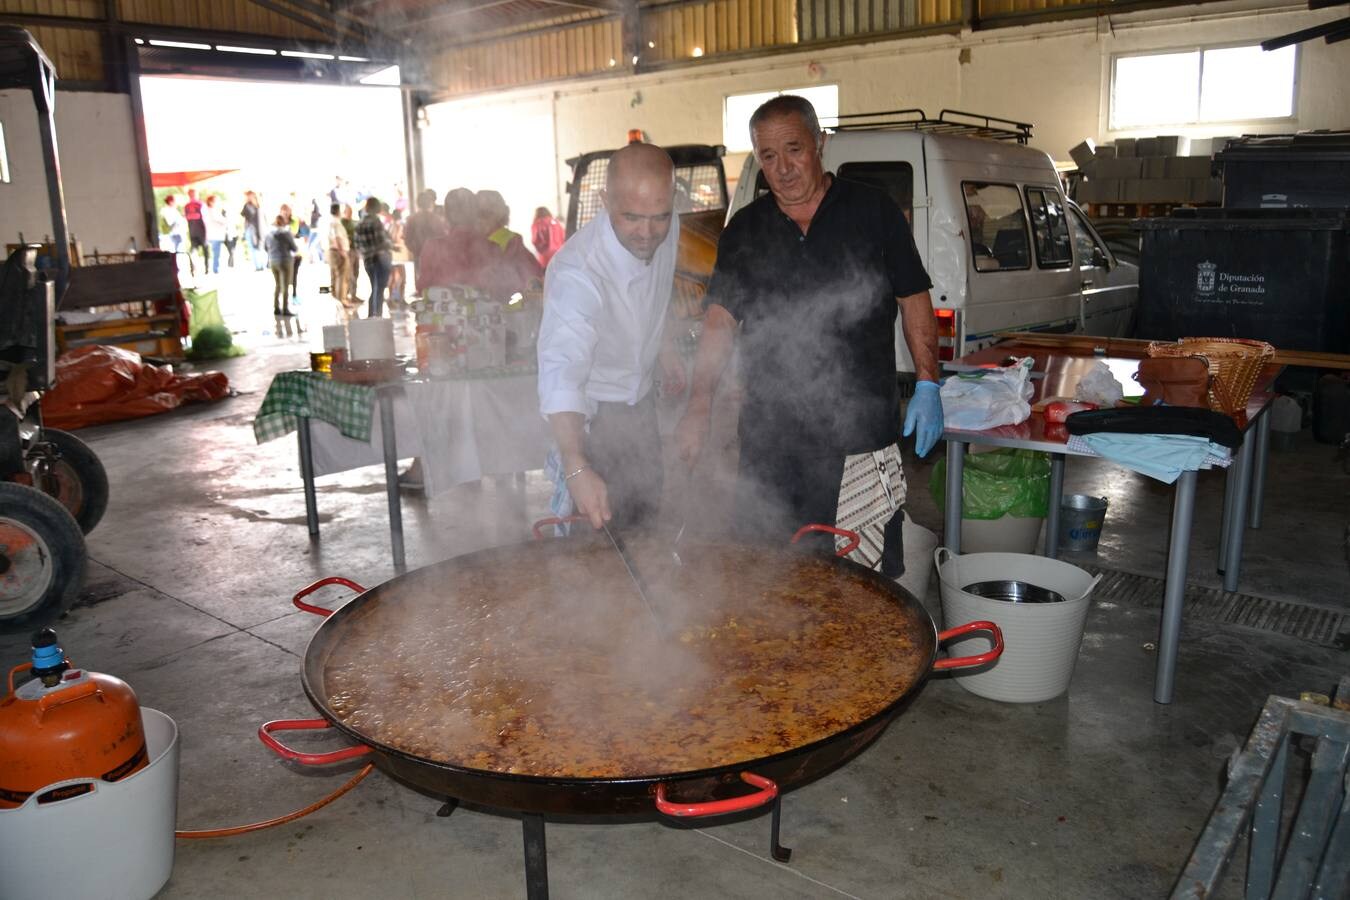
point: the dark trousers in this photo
(377, 269)
(777, 493)
(624, 448)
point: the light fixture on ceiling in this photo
(256, 51)
(185, 45)
(306, 54)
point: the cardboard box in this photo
(1155, 167)
(1202, 147)
(1172, 145)
(1164, 190)
(1187, 167)
(1206, 190)
(1106, 151)
(1146, 147)
(1120, 168)
(1099, 190)
(1125, 147)
(1083, 155)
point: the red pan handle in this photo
(308, 759)
(323, 582)
(767, 792)
(852, 536)
(556, 520)
(966, 662)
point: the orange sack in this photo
(99, 384)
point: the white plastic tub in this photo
(113, 843)
(1040, 640)
(1008, 534)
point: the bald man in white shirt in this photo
(606, 295)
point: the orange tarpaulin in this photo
(174, 179)
(99, 384)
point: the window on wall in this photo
(1193, 87)
(739, 107)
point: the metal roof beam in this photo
(1306, 34)
(448, 38)
(449, 12)
(614, 6)
(199, 35)
(295, 15)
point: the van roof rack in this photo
(949, 121)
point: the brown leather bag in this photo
(1174, 380)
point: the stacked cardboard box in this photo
(1164, 169)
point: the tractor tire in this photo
(42, 558)
(77, 478)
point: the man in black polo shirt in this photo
(814, 274)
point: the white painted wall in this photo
(1056, 76)
(98, 167)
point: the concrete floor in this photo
(1097, 794)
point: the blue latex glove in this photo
(925, 416)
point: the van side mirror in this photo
(1100, 259)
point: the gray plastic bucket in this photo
(1080, 522)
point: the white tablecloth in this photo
(461, 429)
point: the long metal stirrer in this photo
(633, 574)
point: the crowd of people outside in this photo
(464, 241)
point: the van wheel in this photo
(75, 477)
(42, 558)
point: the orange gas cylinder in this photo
(65, 723)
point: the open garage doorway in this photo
(506, 146)
(294, 147)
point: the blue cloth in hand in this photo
(924, 416)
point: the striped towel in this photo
(870, 492)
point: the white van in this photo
(1006, 250)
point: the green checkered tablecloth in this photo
(347, 407)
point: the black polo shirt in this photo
(817, 314)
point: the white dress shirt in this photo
(604, 310)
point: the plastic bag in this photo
(988, 398)
(1099, 386)
(999, 483)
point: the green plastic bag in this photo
(1000, 483)
(205, 311)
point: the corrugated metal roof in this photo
(448, 22)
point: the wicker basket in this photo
(1234, 365)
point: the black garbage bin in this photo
(1271, 275)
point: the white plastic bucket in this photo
(1009, 534)
(1040, 640)
(919, 544)
(114, 843)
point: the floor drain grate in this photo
(1315, 624)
